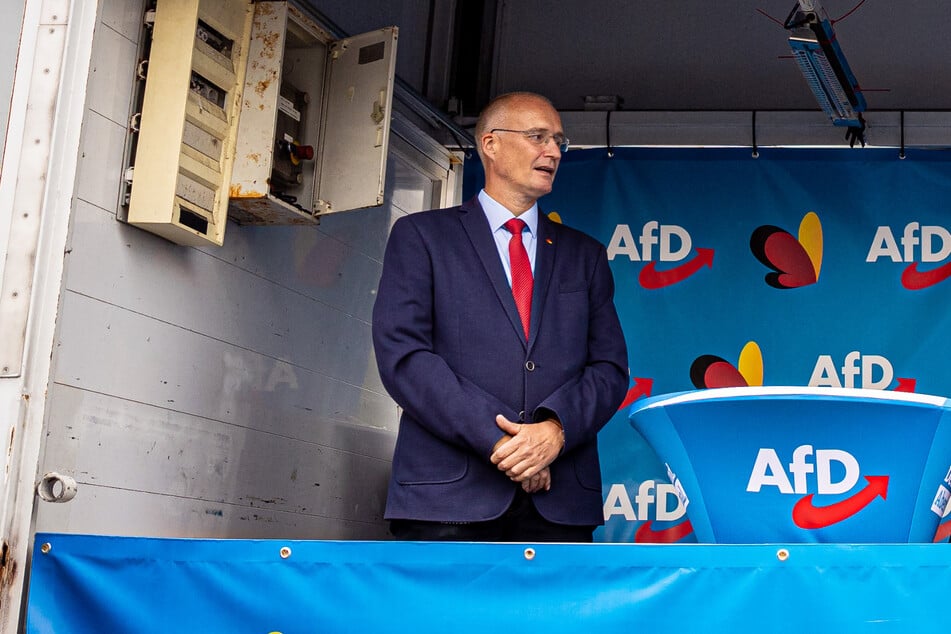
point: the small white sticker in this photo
(674, 480)
(286, 106)
(941, 500)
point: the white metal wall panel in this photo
(234, 471)
(170, 516)
(113, 351)
(282, 318)
(272, 413)
(23, 217)
(337, 264)
(23, 397)
(99, 175)
(9, 41)
(111, 77)
(123, 16)
(218, 392)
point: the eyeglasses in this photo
(540, 137)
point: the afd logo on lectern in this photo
(817, 472)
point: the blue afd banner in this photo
(822, 268)
(93, 584)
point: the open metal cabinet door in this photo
(355, 127)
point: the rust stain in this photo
(261, 87)
(235, 191)
(270, 42)
(10, 568)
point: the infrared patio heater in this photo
(823, 64)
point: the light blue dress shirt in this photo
(498, 215)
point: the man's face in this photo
(517, 164)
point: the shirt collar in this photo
(498, 214)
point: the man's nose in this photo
(551, 147)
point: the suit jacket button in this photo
(530, 366)
(521, 415)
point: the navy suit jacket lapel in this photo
(477, 228)
(545, 246)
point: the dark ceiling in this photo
(717, 55)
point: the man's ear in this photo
(489, 144)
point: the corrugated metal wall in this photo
(216, 392)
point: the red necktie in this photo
(521, 272)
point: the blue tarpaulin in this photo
(121, 584)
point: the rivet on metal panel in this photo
(285, 552)
(782, 554)
(45, 548)
(529, 553)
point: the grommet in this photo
(285, 552)
(529, 553)
(45, 548)
(782, 554)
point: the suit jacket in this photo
(452, 353)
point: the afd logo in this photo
(919, 244)
(869, 371)
(654, 502)
(769, 471)
(673, 244)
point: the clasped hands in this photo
(525, 451)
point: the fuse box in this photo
(183, 138)
(314, 126)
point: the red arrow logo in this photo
(641, 387)
(651, 278)
(915, 280)
(646, 535)
(906, 385)
(806, 515)
(943, 532)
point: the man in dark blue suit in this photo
(502, 344)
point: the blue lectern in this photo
(800, 464)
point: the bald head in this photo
(497, 112)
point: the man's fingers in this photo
(538, 482)
(502, 450)
(509, 427)
(522, 471)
